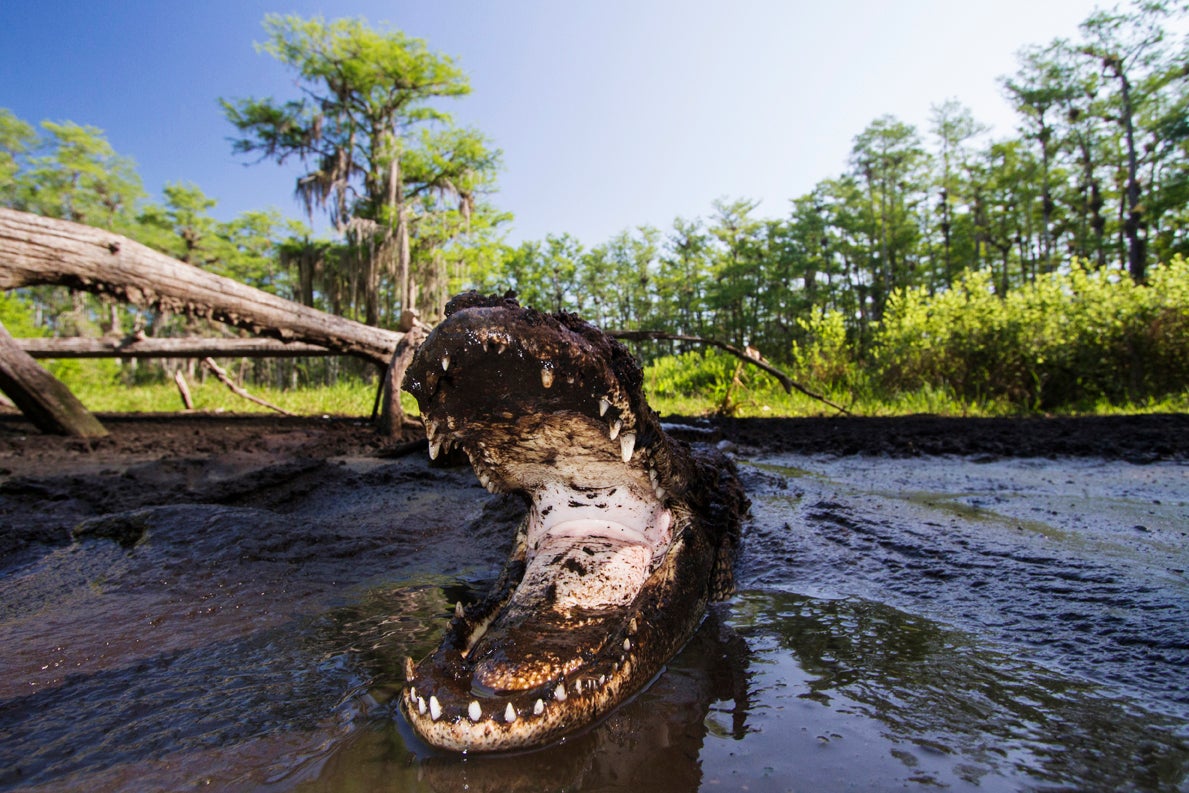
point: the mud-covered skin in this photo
(628, 533)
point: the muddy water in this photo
(900, 624)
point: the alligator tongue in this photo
(575, 595)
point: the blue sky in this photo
(610, 114)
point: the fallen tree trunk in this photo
(150, 347)
(35, 250)
(41, 397)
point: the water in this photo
(899, 624)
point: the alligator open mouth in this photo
(627, 534)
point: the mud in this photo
(226, 602)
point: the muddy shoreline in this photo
(223, 601)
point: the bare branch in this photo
(786, 381)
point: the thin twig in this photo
(786, 381)
(227, 381)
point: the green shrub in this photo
(1073, 339)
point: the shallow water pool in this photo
(899, 624)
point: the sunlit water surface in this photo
(900, 624)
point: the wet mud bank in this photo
(226, 602)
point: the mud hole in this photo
(225, 602)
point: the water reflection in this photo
(781, 691)
(653, 742)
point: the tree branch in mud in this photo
(238, 391)
(787, 382)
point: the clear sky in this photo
(610, 114)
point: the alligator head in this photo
(627, 535)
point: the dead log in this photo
(35, 250)
(151, 347)
(43, 398)
(392, 419)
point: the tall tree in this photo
(953, 126)
(1131, 49)
(368, 132)
(889, 160)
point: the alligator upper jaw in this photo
(571, 629)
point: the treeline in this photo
(1099, 173)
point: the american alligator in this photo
(628, 533)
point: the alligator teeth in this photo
(458, 610)
(410, 668)
(604, 405)
(474, 711)
(602, 680)
(509, 713)
(633, 626)
(627, 445)
(421, 705)
(660, 493)
(627, 645)
(614, 429)
(431, 429)
(445, 362)
(559, 693)
(435, 448)
(435, 708)
(546, 376)
(538, 707)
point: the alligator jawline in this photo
(584, 614)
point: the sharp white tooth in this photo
(509, 713)
(435, 448)
(627, 445)
(458, 610)
(484, 480)
(633, 626)
(445, 362)
(421, 705)
(410, 668)
(546, 377)
(474, 711)
(602, 680)
(660, 493)
(578, 687)
(627, 645)
(604, 405)
(559, 693)
(435, 708)
(431, 429)
(538, 707)
(614, 429)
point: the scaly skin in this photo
(628, 533)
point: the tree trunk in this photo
(43, 398)
(36, 250)
(150, 347)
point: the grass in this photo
(758, 396)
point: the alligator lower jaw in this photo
(578, 625)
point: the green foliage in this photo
(1073, 339)
(16, 314)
